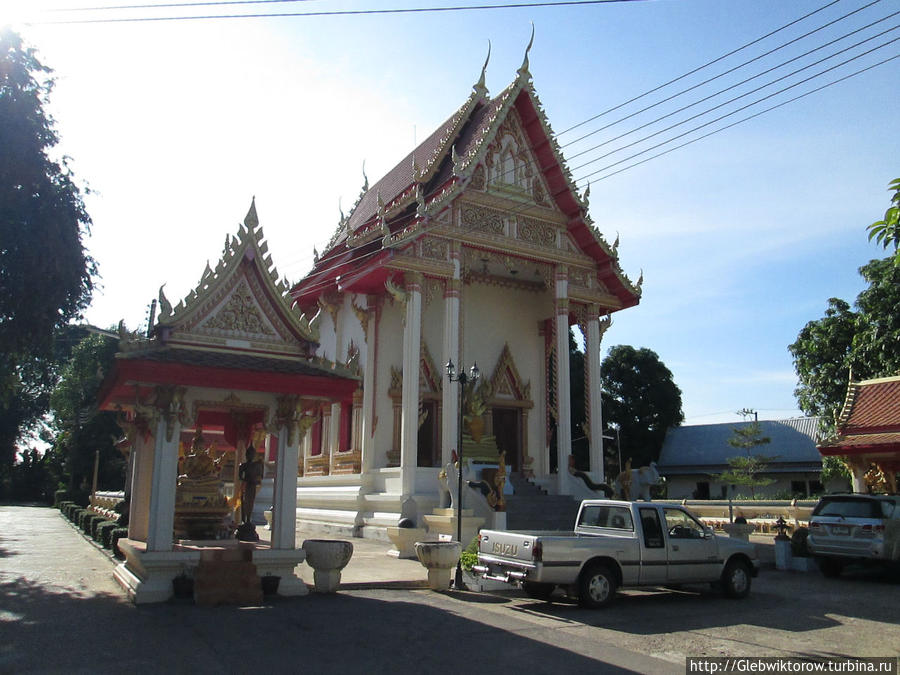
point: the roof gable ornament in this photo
(251, 220)
(523, 69)
(245, 258)
(480, 89)
(165, 307)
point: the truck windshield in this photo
(613, 517)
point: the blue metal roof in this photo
(705, 447)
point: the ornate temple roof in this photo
(869, 420)
(394, 211)
(235, 329)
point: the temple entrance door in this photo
(508, 434)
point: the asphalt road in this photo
(62, 612)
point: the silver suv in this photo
(854, 528)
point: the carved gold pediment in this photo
(505, 380)
(240, 315)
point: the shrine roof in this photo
(237, 361)
(871, 404)
(869, 420)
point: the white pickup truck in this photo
(618, 544)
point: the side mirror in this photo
(708, 533)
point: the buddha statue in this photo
(199, 485)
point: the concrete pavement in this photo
(61, 612)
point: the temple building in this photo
(475, 248)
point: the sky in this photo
(742, 237)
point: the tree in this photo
(887, 231)
(81, 430)
(640, 397)
(46, 277)
(744, 469)
(863, 342)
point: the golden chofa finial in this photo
(524, 68)
(480, 87)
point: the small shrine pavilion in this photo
(868, 434)
(231, 366)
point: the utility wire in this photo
(728, 102)
(699, 68)
(347, 12)
(779, 105)
(731, 70)
(171, 4)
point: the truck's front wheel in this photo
(596, 587)
(736, 579)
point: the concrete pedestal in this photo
(782, 553)
(404, 540)
(443, 521)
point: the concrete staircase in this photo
(531, 508)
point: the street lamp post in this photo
(463, 379)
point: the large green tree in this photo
(46, 276)
(887, 231)
(81, 430)
(863, 340)
(641, 398)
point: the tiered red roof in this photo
(354, 259)
(870, 420)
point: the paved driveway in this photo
(60, 611)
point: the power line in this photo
(171, 4)
(737, 67)
(729, 101)
(347, 12)
(699, 68)
(745, 119)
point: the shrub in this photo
(104, 532)
(87, 522)
(114, 536)
(95, 528)
(59, 497)
(469, 557)
(77, 513)
(62, 506)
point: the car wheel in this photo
(830, 567)
(537, 590)
(596, 587)
(736, 579)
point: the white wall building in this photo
(475, 248)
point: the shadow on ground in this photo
(72, 632)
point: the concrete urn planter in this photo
(327, 557)
(439, 558)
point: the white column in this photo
(162, 491)
(450, 399)
(595, 331)
(858, 476)
(563, 399)
(412, 338)
(368, 412)
(284, 513)
(335, 431)
(141, 481)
